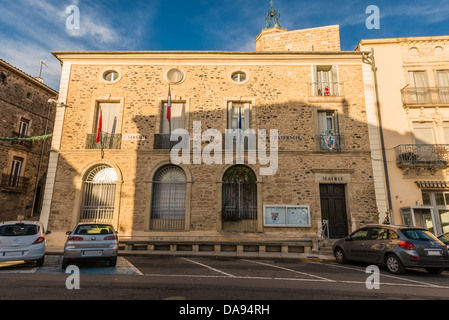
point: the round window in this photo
(175, 75)
(110, 76)
(414, 51)
(238, 76)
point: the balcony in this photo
(13, 183)
(330, 142)
(325, 92)
(24, 144)
(162, 141)
(425, 96)
(110, 141)
(419, 157)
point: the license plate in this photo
(434, 252)
(92, 253)
(13, 253)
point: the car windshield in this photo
(419, 234)
(18, 229)
(94, 229)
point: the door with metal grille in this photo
(168, 199)
(239, 200)
(99, 195)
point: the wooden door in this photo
(333, 209)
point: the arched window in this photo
(99, 195)
(168, 199)
(239, 199)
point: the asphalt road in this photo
(197, 279)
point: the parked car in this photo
(91, 241)
(23, 240)
(396, 247)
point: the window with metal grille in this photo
(239, 199)
(168, 199)
(99, 195)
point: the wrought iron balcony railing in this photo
(425, 95)
(426, 156)
(331, 141)
(109, 141)
(27, 144)
(162, 141)
(13, 183)
(326, 89)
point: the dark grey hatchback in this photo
(396, 247)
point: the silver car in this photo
(396, 247)
(91, 241)
(23, 240)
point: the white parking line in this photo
(421, 283)
(291, 270)
(133, 267)
(209, 267)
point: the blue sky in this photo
(30, 29)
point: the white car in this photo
(22, 240)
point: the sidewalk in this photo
(245, 255)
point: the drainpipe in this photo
(371, 60)
(40, 161)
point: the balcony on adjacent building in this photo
(432, 96)
(13, 183)
(431, 157)
(109, 141)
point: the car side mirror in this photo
(348, 238)
(47, 232)
(68, 232)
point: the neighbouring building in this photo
(25, 113)
(413, 94)
(298, 82)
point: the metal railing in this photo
(24, 143)
(162, 141)
(13, 182)
(326, 89)
(330, 141)
(425, 95)
(322, 234)
(109, 141)
(422, 155)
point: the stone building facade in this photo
(25, 113)
(313, 101)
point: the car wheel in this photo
(394, 265)
(40, 262)
(65, 263)
(113, 262)
(435, 270)
(340, 255)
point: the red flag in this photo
(100, 122)
(169, 105)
